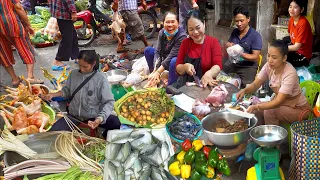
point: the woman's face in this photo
(171, 23)
(275, 58)
(85, 67)
(196, 30)
(294, 9)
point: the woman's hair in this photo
(241, 10)
(302, 4)
(194, 14)
(281, 46)
(89, 56)
(171, 13)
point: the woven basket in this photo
(123, 120)
(305, 162)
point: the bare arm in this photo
(254, 86)
(251, 57)
(214, 71)
(295, 47)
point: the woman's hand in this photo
(241, 94)
(189, 68)
(94, 124)
(47, 97)
(207, 79)
(252, 108)
(154, 76)
(29, 29)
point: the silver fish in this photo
(156, 174)
(125, 150)
(164, 151)
(137, 167)
(123, 135)
(115, 162)
(115, 151)
(129, 172)
(150, 161)
(130, 160)
(121, 176)
(146, 173)
(112, 171)
(146, 150)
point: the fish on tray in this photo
(184, 127)
(137, 155)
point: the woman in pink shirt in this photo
(289, 104)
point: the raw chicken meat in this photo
(200, 108)
(217, 96)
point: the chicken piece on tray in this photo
(217, 96)
(21, 122)
(33, 107)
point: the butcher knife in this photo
(197, 80)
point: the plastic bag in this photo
(52, 29)
(133, 78)
(140, 66)
(304, 73)
(235, 52)
(235, 79)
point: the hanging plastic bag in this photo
(235, 52)
(304, 74)
(140, 66)
(52, 29)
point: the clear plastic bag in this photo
(235, 52)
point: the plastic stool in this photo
(92, 132)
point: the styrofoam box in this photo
(161, 134)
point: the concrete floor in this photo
(103, 45)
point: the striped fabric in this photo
(62, 9)
(128, 5)
(23, 46)
(10, 24)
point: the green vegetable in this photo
(200, 156)
(45, 37)
(213, 158)
(195, 175)
(202, 168)
(38, 34)
(225, 169)
(189, 157)
(42, 40)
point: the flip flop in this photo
(59, 68)
(35, 81)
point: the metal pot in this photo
(116, 76)
(226, 139)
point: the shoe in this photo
(59, 68)
(35, 81)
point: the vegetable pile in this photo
(39, 38)
(40, 19)
(185, 127)
(74, 173)
(196, 160)
(147, 107)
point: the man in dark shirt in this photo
(251, 42)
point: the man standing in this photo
(251, 42)
(129, 12)
(65, 12)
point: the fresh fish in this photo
(137, 146)
(121, 176)
(135, 136)
(112, 171)
(120, 170)
(115, 162)
(146, 150)
(129, 172)
(169, 175)
(115, 151)
(164, 151)
(156, 174)
(125, 150)
(150, 161)
(130, 160)
(137, 167)
(155, 139)
(122, 136)
(146, 173)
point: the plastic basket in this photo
(283, 21)
(305, 162)
(48, 110)
(123, 120)
(312, 89)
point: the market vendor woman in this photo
(289, 104)
(93, 103)
(199, 54)
(166, 52)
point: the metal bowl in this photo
(268, 135)
(226, 139)
(116, 76)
